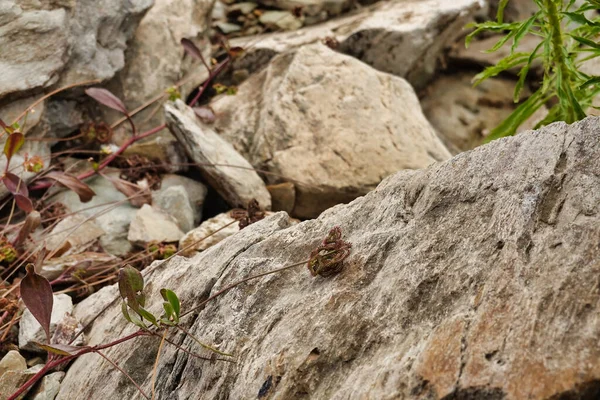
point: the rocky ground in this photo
(473, 271)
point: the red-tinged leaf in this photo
(31, 223)
(192, 49)
(105, 97)
(18, 188)
(13, 144)
(236, 51)
(206, 114)
(138, 196)
(131, 287)
(84, 192)
(36, 293)
(61, 349)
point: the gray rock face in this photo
(153, 225)
(214, 157)
(308, 118)
(402, 37)
(474, 278)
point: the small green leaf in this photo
(147, 315)
(13, 143)
(171, 297)
(500, 14)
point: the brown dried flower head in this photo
(327, 259)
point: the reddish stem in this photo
(107, 160)
(53, 364)
(208, 80)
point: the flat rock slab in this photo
(476, 278)
(223, 167)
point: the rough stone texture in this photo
(12, 361)
(206, 148)
(110, 209)
(475, 278)
(208, 227)
(31, 331)
(309, 118)
(196, 192)
(12, 380)
(99, 31)
(34, 42)
(153, 225)
(463, 115)
(175, 202)
(402, 37)
(72, 235)
(49, 386)
(312, 8)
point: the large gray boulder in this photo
(329, 123)
(476, 278)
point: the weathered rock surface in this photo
(196, 192)
(475, 278)
(49, 386)
(309, 118)
(221, 165)
(151, 224)
(214, 229)
(463, 115)
(12, 361)
(72, 235)
(402, 37)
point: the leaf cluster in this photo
(567, 38)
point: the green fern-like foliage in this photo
(568, 38)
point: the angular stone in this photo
(49, 386)
(12, 361)
(218, 227)
(473, 278)
(153, 225)
(34, 43)
(404, 38)
(238, 184)
(308, 119)
(175, 202)
(72, 235)
(31, 331)
(196, 192)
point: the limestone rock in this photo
(34, 42)
(31, 331)
(196, 192)
(153, 225)
(463, 115)
(405, 38)
(175, 202)
(12, 361)
(466, 280)
(72, 235)
(49, 386)
(308, 118)
(206, 148)
(218, 227)
(13, 380)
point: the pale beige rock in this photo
(402, 37)
(308, 118)
(222, 223)
(151, 224)
(12, 361)
(232, 176)
(72, 235)
(476, 278)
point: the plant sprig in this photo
(567, 41)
